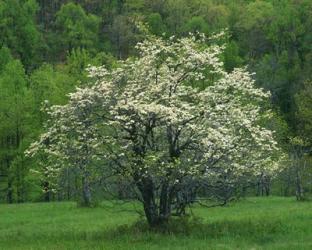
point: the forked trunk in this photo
(156, 215)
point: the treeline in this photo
(45, 46)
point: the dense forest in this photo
(46, 45)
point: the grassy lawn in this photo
(254, 223)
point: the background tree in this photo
(15, 129)
(78, 29)
(19, 31)
(304, 113)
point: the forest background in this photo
(45, 46)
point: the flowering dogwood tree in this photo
(169, 117)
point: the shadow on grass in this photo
(253, 230)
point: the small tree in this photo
(166, 121)
(70, 142)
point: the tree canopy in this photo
(163, 123)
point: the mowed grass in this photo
(254, 223)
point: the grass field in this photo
(254, 223)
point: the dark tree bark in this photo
(157, 213)
(9, 193)
(86, 192)
(47, 193)
(299, 187)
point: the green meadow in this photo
(253, 223)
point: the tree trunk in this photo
(86, 192)
(47, 196)
(146, 188)
(156, 215)
(10, 191)
(150, 210)
(164, 203)
(46, 188)
(299, 188)
(297, 161)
